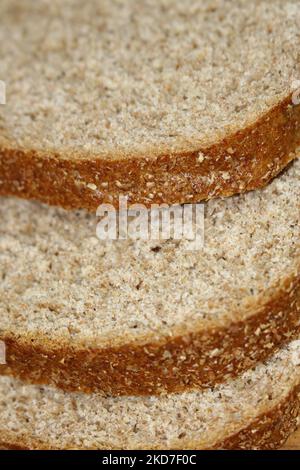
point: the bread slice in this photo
(147, 317)
(173, 101)
(258, 410)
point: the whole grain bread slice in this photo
(173, 101)
(257, 410)
(148, 317)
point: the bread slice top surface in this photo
(43, 414)
(122, 78)
(59, 280)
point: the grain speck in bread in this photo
(258, 410)
(114, 94)
(132, 317)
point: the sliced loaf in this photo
(258, 410)
(159, 100)
(147, 317)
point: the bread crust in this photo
(269, 431)
(199, 359)
(245, 160)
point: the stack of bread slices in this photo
(144, 344)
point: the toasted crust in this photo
(269, 431)
(249, 158)
(199, 359)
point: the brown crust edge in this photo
(269, 431)
(199, 359)
(247, 159)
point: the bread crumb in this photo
(92, 186)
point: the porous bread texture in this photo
(71, 283)
(153, 99)
(124, 77)
(236, 412)
(132, 316)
